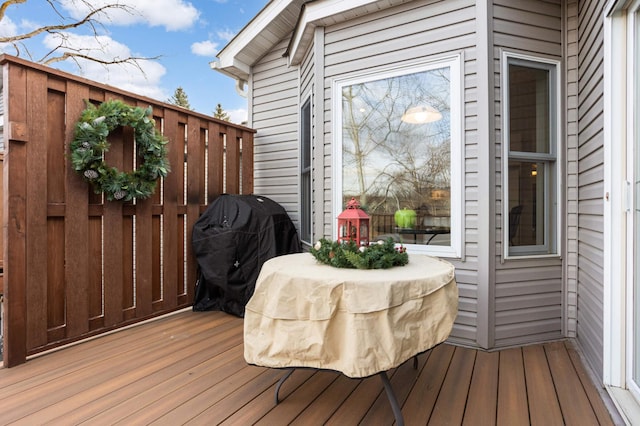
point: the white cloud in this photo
(144, 80)
(237, 116)
(171, 14)
(204, 48)
(28, 25)
(8, 28)
(226, 35)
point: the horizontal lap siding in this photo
(410, 32)
(528, 293)
(571, 250)
(275, 94)
(590, 181)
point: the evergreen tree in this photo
(180, 98)
(220, 113)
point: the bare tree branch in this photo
(57, 28)
(69, 52)
(6, 4)
(76, 55)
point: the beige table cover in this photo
(358, 322)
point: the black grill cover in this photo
(231, 241)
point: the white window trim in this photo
(457, 192)
(506, 55)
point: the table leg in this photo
(395, 407)
(281, 381)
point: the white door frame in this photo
(619, 108)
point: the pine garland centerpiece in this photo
(90, 143)
(379, 255)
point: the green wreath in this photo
(90, 144)
(379, 255)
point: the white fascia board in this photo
(302, 37)
(235, 69)
(314, 15)
(227, 62)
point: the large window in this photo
(531, 123)
(305, 172)
(398, 152)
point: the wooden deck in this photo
(188, 368)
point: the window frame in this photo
(454, 62)
(306, 170)
(552, 160)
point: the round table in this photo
(358, 322)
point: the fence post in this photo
(14, 204)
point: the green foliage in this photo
(220, 114)
(380, 255)
(90, 143)
(180, 98)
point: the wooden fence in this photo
(76, 265)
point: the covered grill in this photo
(231, 241)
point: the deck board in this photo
(544, 408)
(451, 402)
(483, 392)
(599, 409)
(323, 407)
(402, 381)
(573, 404)
(188, 368)
(513, 409)
(419, 405)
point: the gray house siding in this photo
(571, 248)
(528, 292)
(306, 74)
(410, 32)
(590, 171)
(526, 299)
(275, 95)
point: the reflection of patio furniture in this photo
(358, 322)
(433, 221)
(514, 222)
(415, 232)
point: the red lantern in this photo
(353, 224)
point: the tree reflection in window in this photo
(389, 164)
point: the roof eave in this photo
(322, 13)
(274, 22)
(277, 20)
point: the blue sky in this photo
(185, 34)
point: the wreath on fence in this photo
(90, 143)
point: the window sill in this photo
(532, 257)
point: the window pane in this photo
(527, 203)
(397, 154)
(529, 109)
(305, 211)
(305, 173)
(305, 127)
